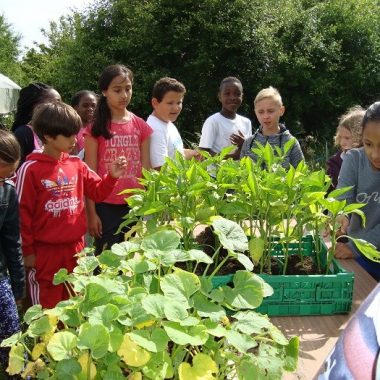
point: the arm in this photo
(296, 155)
(94, 223)
(27, 198)
(145, 154)
(11, 247)
(158, 149)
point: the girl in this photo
(30, 97)
(84, 102)
(12, 276)
(361, 169)
(116, 131)
(348, 135)
(226, 127)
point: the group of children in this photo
(60, 196)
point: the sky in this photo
(27, 17)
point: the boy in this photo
(268, 109)
(226, 127)
(51, 187)
(167, 98)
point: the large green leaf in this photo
(249, 322)
(154, 304)
(208, 309)
(95, 295)
(180, 285)
(61, 345)
(175, 311)
(203, 368)
(162, 241)
(95, 338)
(67, 369)
(159, 367)
(103, 314)
(155, 340)
(182, 335)
(242, 342)
(230, 234)
(247, 293)
(291, 359)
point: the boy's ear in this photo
(48, 138)
(282, 110)
(155, 102)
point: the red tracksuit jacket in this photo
(51, 197)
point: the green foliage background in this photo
(323, 56)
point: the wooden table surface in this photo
(318, 334)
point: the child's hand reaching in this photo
(237, 139)
(117, 168)
(343, 251)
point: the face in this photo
(231, 97)
(344, 138)
(170, 106)
(268, 113)
(371, 143)
(86, 108)
(119, 93)
(7, 171)
(61, 143)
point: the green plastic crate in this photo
(308, 294)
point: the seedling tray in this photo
(318, 294)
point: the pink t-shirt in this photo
(126, 141)
(80, 136)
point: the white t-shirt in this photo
(217, 129)
(164, 142)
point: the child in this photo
(115, 131)
(12, 276)
(268, 109)
(226, 127)
(348, 135)
(51, 186)
(84, 102)
(361, 169)
(30, 97)
(167, 97)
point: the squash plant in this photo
(143, 317)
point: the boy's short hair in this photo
(352, 121)
(230, 80)
(166, 84)
(269, 92)
(53, 119)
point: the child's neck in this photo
(228, 114)
(49, 151)
(121, 116)
(269, 131)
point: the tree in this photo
(323, 56)
(10, 50)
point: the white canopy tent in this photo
(9, 92)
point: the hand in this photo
(344, 223)
(192, 153)
(343, 251)
(94, 225)
(29, 261)
(19, 304)
(117, 168)
(237, 139)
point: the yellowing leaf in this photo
(38, 350)
(145, 324)
(135, 376)
(16, 359)
(256, 249)
(204, 368)
(83, 361)
(132, 354)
